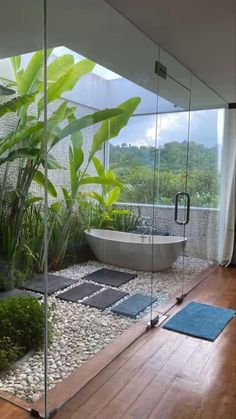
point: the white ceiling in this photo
(201, 34)
(201, 37)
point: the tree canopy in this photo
(156, 175)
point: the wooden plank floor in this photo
(165, 375)
(10, 411)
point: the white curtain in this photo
(228, 190)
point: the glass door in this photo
(188, 145)
(171, 206)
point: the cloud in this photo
(166, 128)
(205, 128)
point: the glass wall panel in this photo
(204, 166)
(101, 104)
(22, 309)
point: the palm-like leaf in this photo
(87, 121)
(111, 128)
(39, 178)
(21, 153)
(67, 81)
(59, 67)
(15, 138)
(16, 103)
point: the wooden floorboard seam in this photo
(134, 377)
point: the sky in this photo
(204, 127)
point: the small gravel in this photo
(80, 331)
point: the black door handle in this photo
(177, 197)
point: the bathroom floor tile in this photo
(79, 292)
(134, 305)
(55, 283)
(109, 277)
(104, 299)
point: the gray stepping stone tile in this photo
(134, 305)
(55, 283)
(104, 299)
(18, 293)
(110, 277)
(79, 292)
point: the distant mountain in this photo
(171, 156)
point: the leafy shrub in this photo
(126, 222)
(9, 352)
(10, 277)
(22, 326)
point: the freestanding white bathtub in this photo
(135, 251)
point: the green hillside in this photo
(157, 175)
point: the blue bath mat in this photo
(200, 320)
(134, 305)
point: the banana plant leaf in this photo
(39, 178)
(15, 138)
(53, 163)
(97, 197)
(21, 153)
(98, 166)
(111, 128)
(67, 197)
(55, 207)
(29, 80)
(16, 103)
(87, 121)
(67, 81)
(33, 200)
(113, 196)
(58, 68)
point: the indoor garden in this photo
(90, 168)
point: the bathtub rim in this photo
(168, 241)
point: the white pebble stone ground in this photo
(80, 331)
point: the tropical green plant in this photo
(104, 209)
(9, 353)
(32, 233)
(77, 249)
(26, 143)
(126, 222)
(22, 327)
